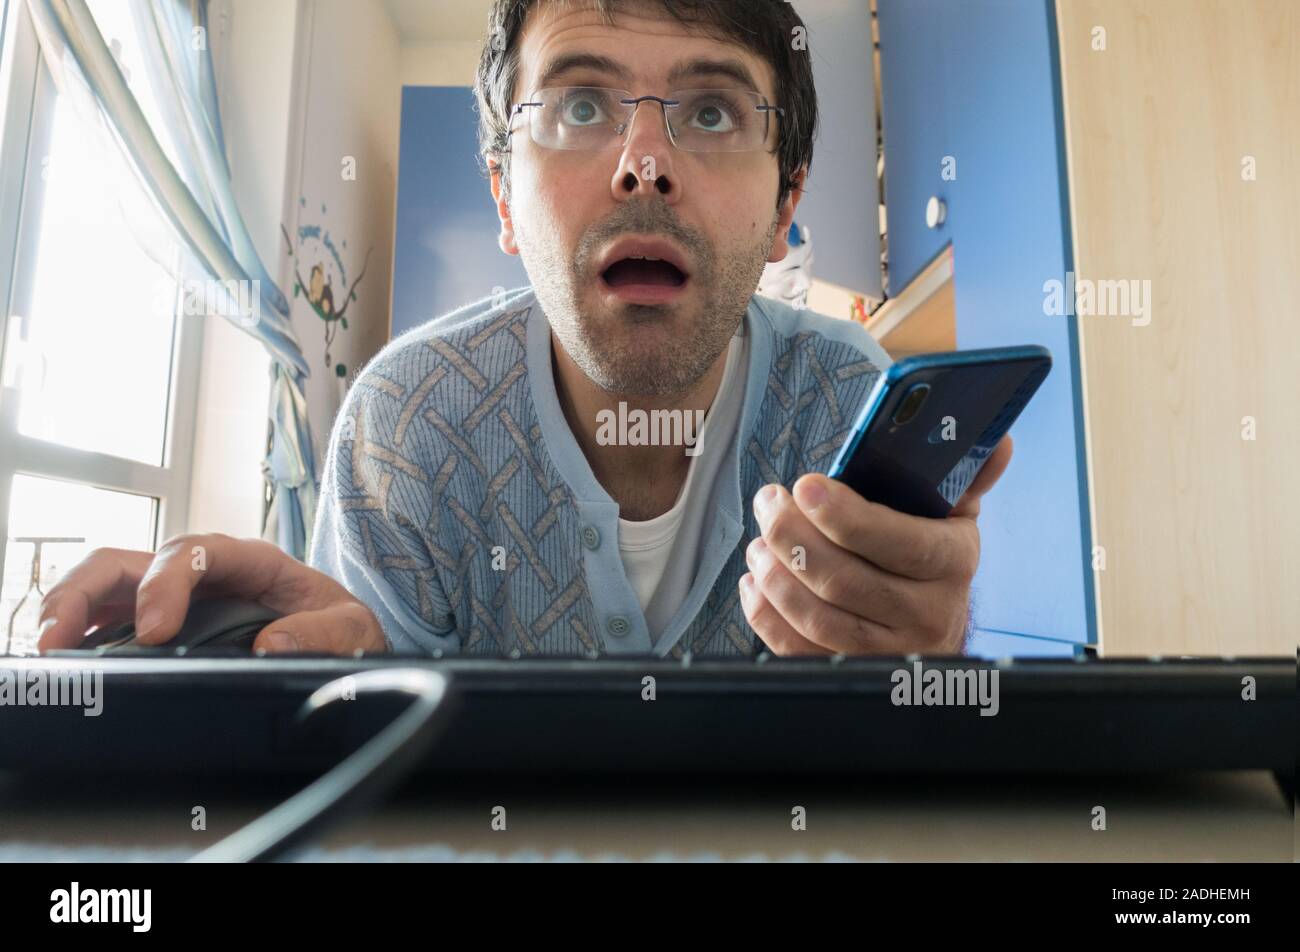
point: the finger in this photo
(105, 575)
(932, 642)
(106, 616)
(248, 568)
(834, 574)
(985, 479)
(915, 547)
(340, 629)
(770, 626)
(823, 624)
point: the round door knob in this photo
(935, 212)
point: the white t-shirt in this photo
(661, 554)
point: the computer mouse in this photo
(209, 623)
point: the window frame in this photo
(27, 96)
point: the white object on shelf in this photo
(790, 279)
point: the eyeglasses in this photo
(697, 120)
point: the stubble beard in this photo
(643, 350)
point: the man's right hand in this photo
(111, 586)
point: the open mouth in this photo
(636, 271)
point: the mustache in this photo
(653, 218)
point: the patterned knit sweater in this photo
(456, 503)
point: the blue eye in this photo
(710, 117)
(581, 112)
(714, 115)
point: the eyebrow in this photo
(691, 69)
(728, 68)
(571, 61)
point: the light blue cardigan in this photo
(457, 504)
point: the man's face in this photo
(573, 216)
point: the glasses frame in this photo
(620, 135)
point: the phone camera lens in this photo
(910, 405)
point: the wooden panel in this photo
(1199, 526)
(932, 327)
(923, 319)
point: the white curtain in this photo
(182, 181)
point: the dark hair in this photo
(765, 27)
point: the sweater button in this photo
(590, 536)
(618, 626)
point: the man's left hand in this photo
(835, 574)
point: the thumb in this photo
(342, 629)
(985, 479)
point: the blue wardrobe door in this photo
(446, 250)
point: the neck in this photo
(643, 478)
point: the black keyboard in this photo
(235, 714)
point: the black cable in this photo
(356, 783)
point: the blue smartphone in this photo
(932, 421)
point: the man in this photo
(492, 485)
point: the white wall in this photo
(302, 83)
(447, 63)
(252, 47)
(347, 112)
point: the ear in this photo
(780, 245)
(506, 239)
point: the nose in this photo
(645, 166)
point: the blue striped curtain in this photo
(197, 201)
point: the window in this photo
(55, 510)
(97, 365)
